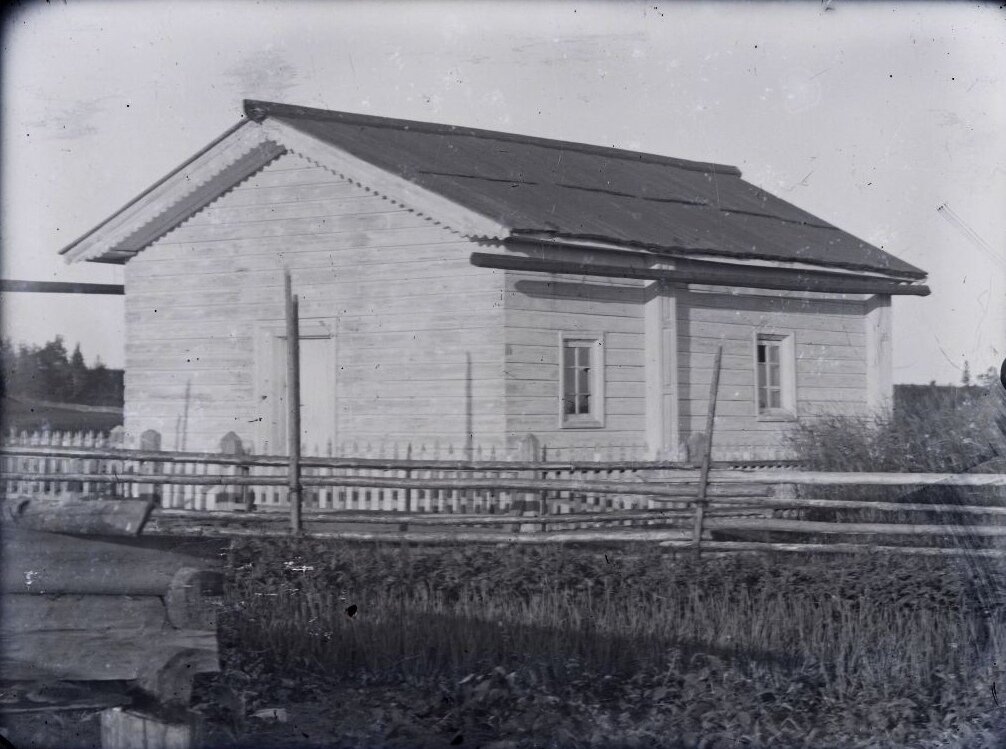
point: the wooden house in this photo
(465, 286)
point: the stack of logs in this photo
(96, 616)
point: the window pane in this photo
(773, 353)
(762, 399)
(775, 400)
(568, 387)
(761, 353)
(583, 381)
(583, 404)
(773, 375)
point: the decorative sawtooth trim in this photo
(386, 185)
(217, 196)
(178, 196)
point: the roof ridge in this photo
(258, 111)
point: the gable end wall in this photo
(408, 310)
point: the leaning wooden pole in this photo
(707, 452)
(293, 403)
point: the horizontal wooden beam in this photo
(50, 563)
(110, 517)
(893, 529)
(668, 538)
(754, 277)
(392, 464)
(837, 548)
(61, 287)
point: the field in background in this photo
(23, 414)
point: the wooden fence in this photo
(521, 498)
(60, 465)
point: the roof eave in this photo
(240, 151)
(598, 242)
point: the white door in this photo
(317, 395)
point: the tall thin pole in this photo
(707, 451)
(293, 402)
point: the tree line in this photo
(50, 373)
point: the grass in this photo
(643, 646)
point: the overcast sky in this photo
(872, 116)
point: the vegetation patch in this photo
(518, 647)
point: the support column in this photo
(660, 322)
(879, 360)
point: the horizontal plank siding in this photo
(537, 310)
(416, 330)
(830, 365)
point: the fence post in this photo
(700, 500)
(529, 451)
(151, 440)
(293, 402)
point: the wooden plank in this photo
(293, 404)
(843, 548)
(824, 478)
(893, 529)
(102, 655)
(50, 563)
(386, 463)
(709, 273)
(109, 517)
(61, 287)
(24, 612)
(707, 452)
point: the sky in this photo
(888, 120)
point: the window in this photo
(775, 387)
(582, 381)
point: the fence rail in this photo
(743, 505)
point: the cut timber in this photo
(24, 697)
(23, 612)
(50, 563)
(103, 655)
(106, 517)
(193, 598)
(130, 729)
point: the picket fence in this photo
(75, 456)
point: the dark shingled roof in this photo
(576, 191)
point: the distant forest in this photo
(50, 373)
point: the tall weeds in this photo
(858, 625)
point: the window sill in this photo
(581, 423)
(777, 416)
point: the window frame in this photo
(594, 418)
(786, 343)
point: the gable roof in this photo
(577, 191)
(522, 186)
